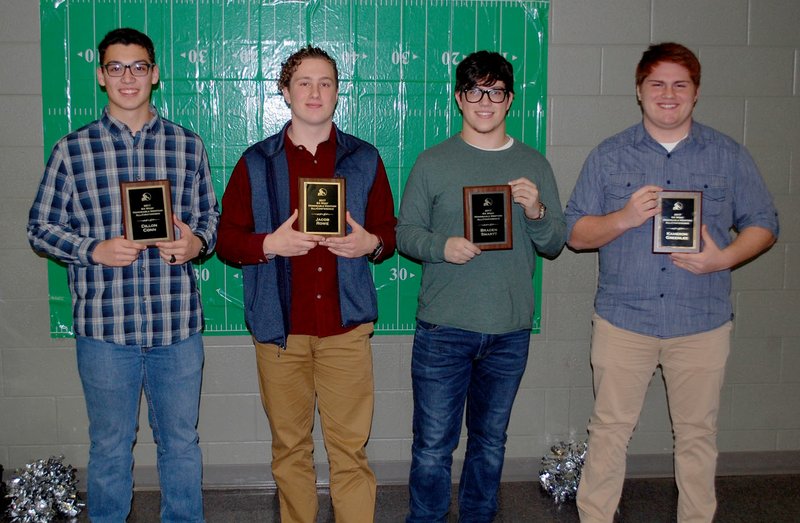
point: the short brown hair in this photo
(668, 52)
(126, 36)
(293, 62)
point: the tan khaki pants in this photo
(623, 364)
(337, 372)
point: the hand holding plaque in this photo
(677, 227)
(147, 211)
(322, 206)
(487, 216)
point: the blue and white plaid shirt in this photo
(78, 205)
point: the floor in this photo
(768, 499)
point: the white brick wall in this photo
(751, 55)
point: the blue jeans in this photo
(113, 377)
(448, 367)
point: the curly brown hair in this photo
(293, 62)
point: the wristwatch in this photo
(378, 250)
(203, 248)
(542, 211)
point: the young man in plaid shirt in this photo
(137, 311)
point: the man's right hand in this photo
(642, 206)
(459, 250)
(286, 241)
(117, 252)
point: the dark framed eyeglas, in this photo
(136, 68)
(476, 94)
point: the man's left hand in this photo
(710, 259)
(182, 250)
(358, 243)
(525, 193)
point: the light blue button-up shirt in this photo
(644, 292)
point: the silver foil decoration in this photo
(43, 491)
(561, 470)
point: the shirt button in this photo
(661, 295)
(319, 296)
(663, 269)
(319, 269)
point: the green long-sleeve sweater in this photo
(493, 292)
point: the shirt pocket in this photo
(715, 193)
(621, 185)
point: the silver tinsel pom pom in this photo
(43, 491)
(561, 470)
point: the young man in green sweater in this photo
(475, 307)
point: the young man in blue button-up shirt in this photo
(672, 310)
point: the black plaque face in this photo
(487, 216)
(147, 211)
(677, 227)
(322, 206)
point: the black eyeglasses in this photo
(136, 68)
(476, 94)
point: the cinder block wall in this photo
(750, 53)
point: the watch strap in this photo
(378, 250)
(204, 248)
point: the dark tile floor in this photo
(767, 499)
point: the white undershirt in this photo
(503, 147)
(669, 146)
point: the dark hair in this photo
(293, 62)
(668, 52)
(126, 36)
(484, 68)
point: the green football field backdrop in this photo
(219, 60)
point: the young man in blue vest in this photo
(309, 299)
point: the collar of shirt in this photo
(119, 129)
(695, 138)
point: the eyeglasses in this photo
(136, 68)
(476, 94)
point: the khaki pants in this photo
(337, 372)
(623, 364)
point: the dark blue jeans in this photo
(113, 378)
(449, 367)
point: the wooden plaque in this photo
(147, 211)
(487, 216)
(677, 227)
(322, 206)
